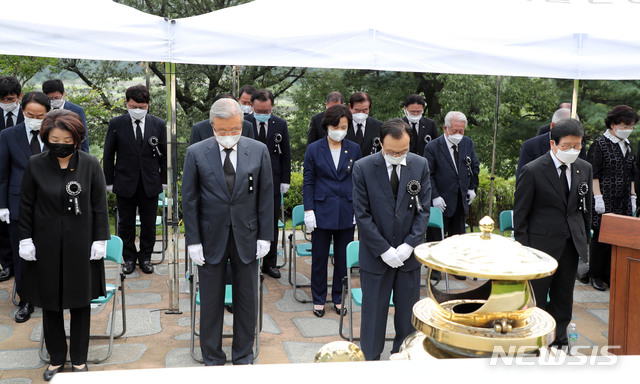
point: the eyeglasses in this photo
(396, 154)
(564, 147)
(232, 132)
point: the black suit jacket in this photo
(425, 132)
(132, 163)
(538, 146)
(371, 142)
(315, 128)
(203, 130)
(280, 153)
(15, 121)
(543, 217)
(544, 129)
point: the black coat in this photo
(425, 132)
(315, 128)
(371, 140)
(62, 275)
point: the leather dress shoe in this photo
(583, 279)
(24, 312)
(229, 308)
(83, 369)
(128, 267)
(318, 312)
(598, 284)
(49, 373)
(6, 274)
(459, 277)
(272, 271)
(340, 309)
(146, 267)
(436, 275)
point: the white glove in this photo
(471, 194)
(110, 188)
(98, 250)
(196, 254)
(391, 258)
(310, 220)
(599, 204)
(4, 215)
(284, 188)
(164, 187)
(27, 250)
(262, 248)
(439, 203)
(633, 204)
(404, 251)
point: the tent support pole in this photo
(172, 190)
(574, 99)
(493, 153)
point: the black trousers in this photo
(271, 259)
(245, 307)
(599, 258)
(559, 288)
(147, 209)
(6, 255)
(56, 340)
(18, 262)
(320, 244)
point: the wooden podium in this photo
(623, 233)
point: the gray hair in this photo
(454, 115)
(225, 109)
(561, 114)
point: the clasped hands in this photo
(395, 257)
(196, 252)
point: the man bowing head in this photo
(227, 203)
(391, 195)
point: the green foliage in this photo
(294, 196)
(503, 192)
(24, 67)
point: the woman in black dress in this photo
(64, 226)
(613, 185)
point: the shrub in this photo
(503, 193)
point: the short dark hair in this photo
(35, 97)
(359, 97)
(65, 120)
(248, 89)
(9, 85)
(139, 93)
(54, 85)
(566, 127)
(414, 99)
(621, 114)
(223, 96)
(332, 116)
(394, 127)
(262, 95)
(335, 97)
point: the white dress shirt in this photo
(28, 131)
(558, 163)
(133, 123)
(622, 143)
(233, 154)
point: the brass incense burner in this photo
(500, 312)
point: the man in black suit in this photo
(138, 175)
(539, 145)
(390, 226)
(454, 170)
(423, 129)
(547, 127)
(552, 213)
(10, 95)
(272, 131)
(244, 98)
(366, 130)
(203, 129)
(54, 89)
(315, 127)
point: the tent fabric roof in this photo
(579, 39)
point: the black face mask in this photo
(61, 150)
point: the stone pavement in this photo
(155, 339)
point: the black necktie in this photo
(138, 134)
(359, 134)
(9, 120)
(455, 155)
(563, 179)
(34, 143)
(262, 134)
(229, 171)
(395, 182)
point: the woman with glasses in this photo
(613, 185)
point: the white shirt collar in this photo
(613, 138)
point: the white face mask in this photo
(455, 139)
(393, 160)
(411, 118)
(568, 156)
(337, 134)
(33, 124)
(360, 118)
(9, 107)
(246, 109)
(623, 133)
(137, 113)
(57, 104)
(227, 141)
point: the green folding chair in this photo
(436, 220)
(506, 222)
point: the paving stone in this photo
(20, 359)
(186, 321)
(181, 357)
(183, 285)
(590, 296)
(184, 306)
(268, 324)
(299, 352)
(600, 314)
(141, 298)
(5, 332)
(184, 337)
(121, 353)
(300, 279)
(316, 327)
(97, 308)
(37, 330)
(289, 304)
(16, 380)
(140, 322)
(4, 295)
(162, 270)
(138, 284)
